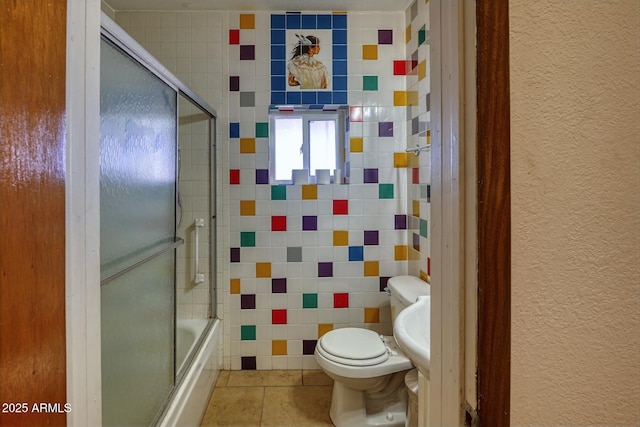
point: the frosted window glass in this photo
(288, 150)
(322, 145)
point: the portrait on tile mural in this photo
(306, 67)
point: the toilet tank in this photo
(404, 291)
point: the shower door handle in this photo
(199, 277)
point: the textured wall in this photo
(575, 92)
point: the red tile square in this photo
(341, 300)
(341, 207)
(415, 175)
(279, 317)
(234, 36)
(278, 223)
(355, 114)
(234, 176)
(399, 68)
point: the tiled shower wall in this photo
(300, 260)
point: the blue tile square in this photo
(294, 98)
(339, 36)
(278, 83)
(234, 130)
(340, 83)
(339, 68)
(309, 97)
(309, 22)
(339, 21)
(278, 36)
(356, 253)
(278, 68)
(294, 21)
(324, 22)
(278, 51)
(278, 98)
(340, 97)
(325, 98)
(277, 21)
(316, 107)
(340, 52)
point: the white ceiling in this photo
(280, 5)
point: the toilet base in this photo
(350, 408)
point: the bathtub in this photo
(190, 397)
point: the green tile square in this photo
(248, 332)
(247, 238)
(385, 191)
(278, 192)
(369, 82)
(422, 35)
(309, 300)
(423, 228)
(247, 99)
(262, 130)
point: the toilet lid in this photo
(354, 344)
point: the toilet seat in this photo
(353, 347)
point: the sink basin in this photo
(411, 330)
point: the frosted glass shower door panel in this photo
(137, 343)
(137, 161)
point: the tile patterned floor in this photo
(270, 399)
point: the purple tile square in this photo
(309, 222)
(385, 36)
(248, 301)
(325, 269)
(247, 52)
(248, 363)
(370, 176)
(308, 346)
(385, 129)
(371, 237)
(234, 83)
(383, 283)
(262, 176)
(235, 254)
(400, 222)
(279, 285)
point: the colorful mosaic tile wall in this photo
(299, 260)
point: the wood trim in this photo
(32, 218)
(494, 213)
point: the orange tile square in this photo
(416, 208)
(247, 207)
(400, 98)
(323, 328)
(247, 21)
(263, 269)
(372, 315)
(422, 70)
(235, 286)
(371, 268)
(356, 145)
(370, 51)
(399, 160)
(279, 347)
(340, 238)
(248, 145)
(407, 34)
(309, 192)
(401, 252)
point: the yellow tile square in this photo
(247, 21)
(247, 207)
(407, 34)
(412, 98)
(399, 160)
(428, 137)
(416, 208)
(235, 286)
(309, 192)
(422, 70)
(424, 276)
(372, 315)
(371, 268)
(279, 347)
(263, 269)
(401, 252)
(340, 238)
(247, 145)
(323, 328)
(413, 161)
(356, 145)
(370, 51)
(400, 98)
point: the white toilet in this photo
(368, 369)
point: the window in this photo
(305, 140)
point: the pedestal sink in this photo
(412, 333)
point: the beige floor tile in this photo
(316, 378)
(234, 406)
(223, 378)
(264, 378)
(298, 406)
